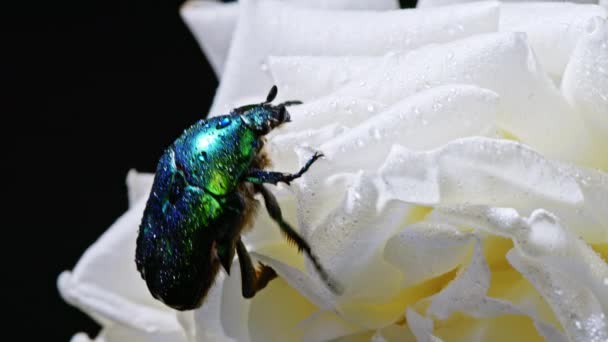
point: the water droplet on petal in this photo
(371, 108)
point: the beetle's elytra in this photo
(201, 201)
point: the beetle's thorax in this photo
(264, 117)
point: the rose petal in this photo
(326, 325)
(355, 230)
(576, 307)
(275, 28)
(434, 3)
(138, 185)
(569, 275)
(271, 322)
(531, 108)
(106, 284)
(329, 73)
(348, 4)
(212, 23)
(208, 319)
(481, 171)
(585, 82)
(393, 333)
(119, 333)
(313, 291)
(553, 29)
(421, 326)
(234, 309)
(423, 251)
(466, 291)
(423, 121)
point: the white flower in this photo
(464, 193)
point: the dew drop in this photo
(360, 142)
(377, 134)
(264, 67)
(450, 55)
(371, 108)
(224, 122)
(202, 156)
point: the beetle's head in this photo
(265, 116)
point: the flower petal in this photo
(212, 23)
(498, 173)
(275, 28)
(106, 284)
(275, 313)
(568, 273)
(313, 291)
(208, 319)
(421, 326)
(553, 28)
(576, 307)
(328, 73)
(119, 333)
(585, 82)
(423, 121)
(531, 107)
(423, 251)
(138, 185)
(348, 4)
(466, 291)
(483, 171)
(326, 325)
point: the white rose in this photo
(464, 193)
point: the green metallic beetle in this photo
(202, 200)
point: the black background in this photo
(92, 89)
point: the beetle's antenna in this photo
(290, 103)
(272, 94)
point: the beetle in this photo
(202, 200)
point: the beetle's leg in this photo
(252, 280)
(290, 103)
(272, 177)
(274, 210)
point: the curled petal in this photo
(138, 185)
(276, 312)
(423, 251)
(274, 28)
(212, 23)
(327, 72)
(326, 325)
(480, 171)
(348, 4)
(553, 28)
(421, 327)
(531, 107)
(575, 306)
(585, 82)
(106, 284)
(423, 121)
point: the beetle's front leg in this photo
(272, 177)
(274, 210)
(252, 280)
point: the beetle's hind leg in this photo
(252, 280)
(274, 210)
(272, 177)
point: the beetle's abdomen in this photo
(214, 154)
(176, 236)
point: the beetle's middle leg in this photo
(272, 177)
(252, 280)
(274, 210)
